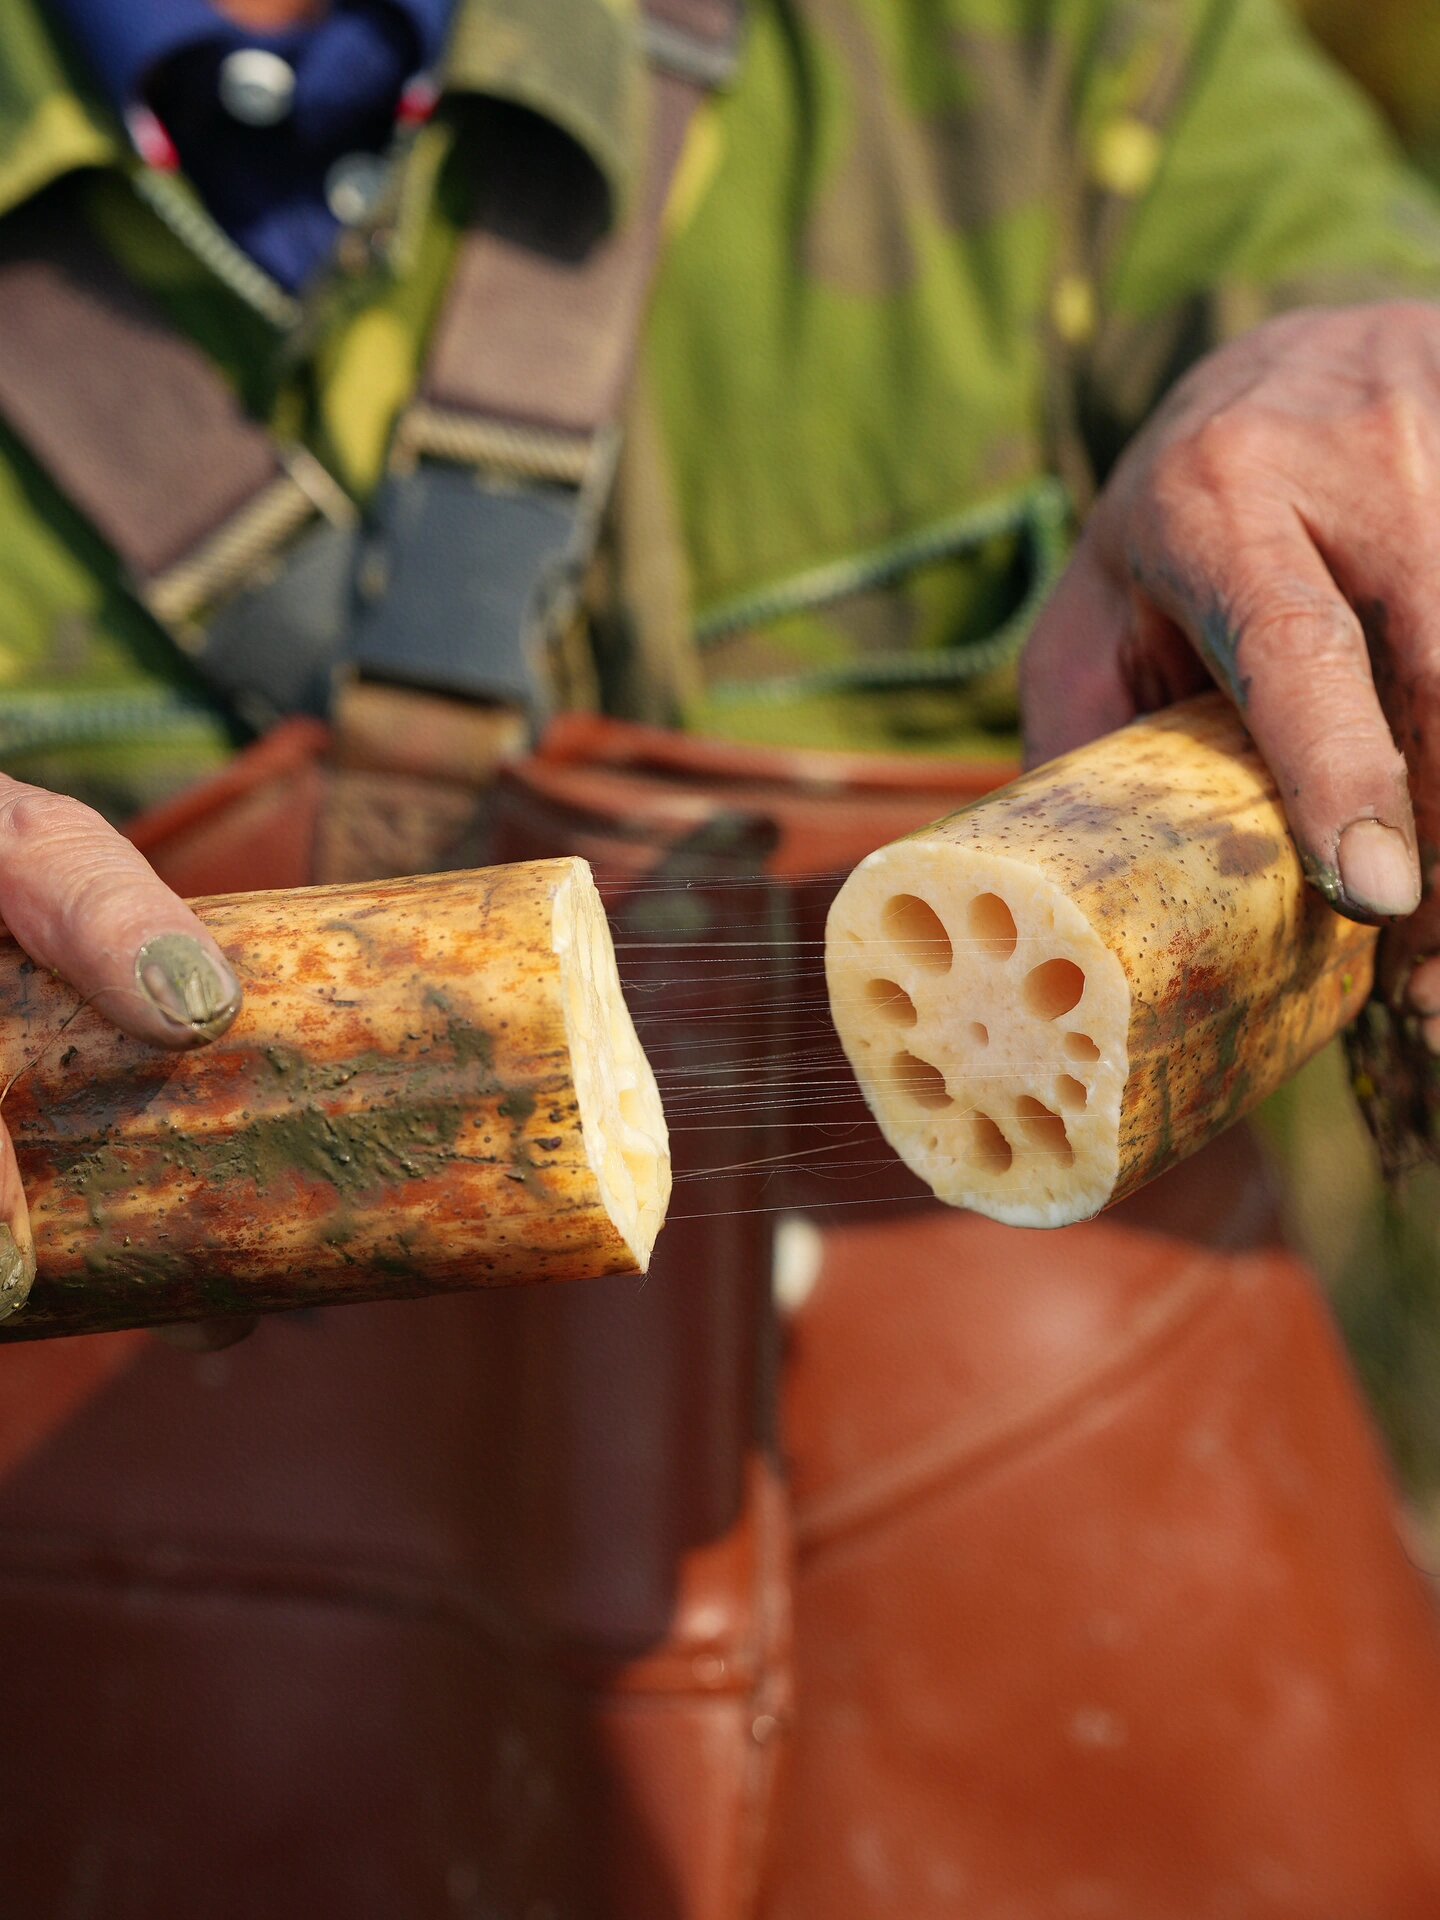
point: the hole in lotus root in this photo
(1043, 1129)
(979, 1034)
(924, 1084)
(993, 925)
(917, 927)
(1070, 1092)
(1053, 988)
(891, 1002)
(988, 1144)
(1080, 1046)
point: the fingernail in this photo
(17, 1270)
(1377, 870)
(1430, 1030)
(188, 985)
(1423, 987)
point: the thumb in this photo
(1072, 688)
(17, 1247)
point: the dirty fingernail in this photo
(17, 1270)
(1377, 870)
(1423, 989)
(188, 985)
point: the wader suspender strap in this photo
(245, 550)
(136, 427)
(502, 462)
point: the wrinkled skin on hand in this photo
(1276, 527)
(84, 904)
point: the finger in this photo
(1390, 575)
(1410, 953)
(1257, 600)
(17, 1247)
(1157, 661)
(1072, 688)
(1396, 630)
(84, 904)
(209, 1336)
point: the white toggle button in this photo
(256, 88)
(354, 186)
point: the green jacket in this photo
(930, 262)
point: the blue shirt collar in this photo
(125, 40)
(266, 186)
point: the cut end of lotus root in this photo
(622, 1121)
(987, 1025)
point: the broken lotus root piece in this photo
(1057, 993)
(434, 1083)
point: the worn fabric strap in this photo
(136, 426)
(127, 415)
(501, 464)
(557, 332)
(533, 348)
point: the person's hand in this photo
(85, 905)
(1278, 522)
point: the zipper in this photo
(158, 182)
(172, 202)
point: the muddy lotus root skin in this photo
(433, 1084)
(1052, 996)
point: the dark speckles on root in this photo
(399, 1265)
(518, 1107)
(363, 938)
(96, 1181)
(151, 1267)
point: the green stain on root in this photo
(307, 1129)
(354, 1153)
(471, 1045)
(1230, 1063)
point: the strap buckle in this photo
(454, 583)
(696, 40)
(259, 606)
(499, 547)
